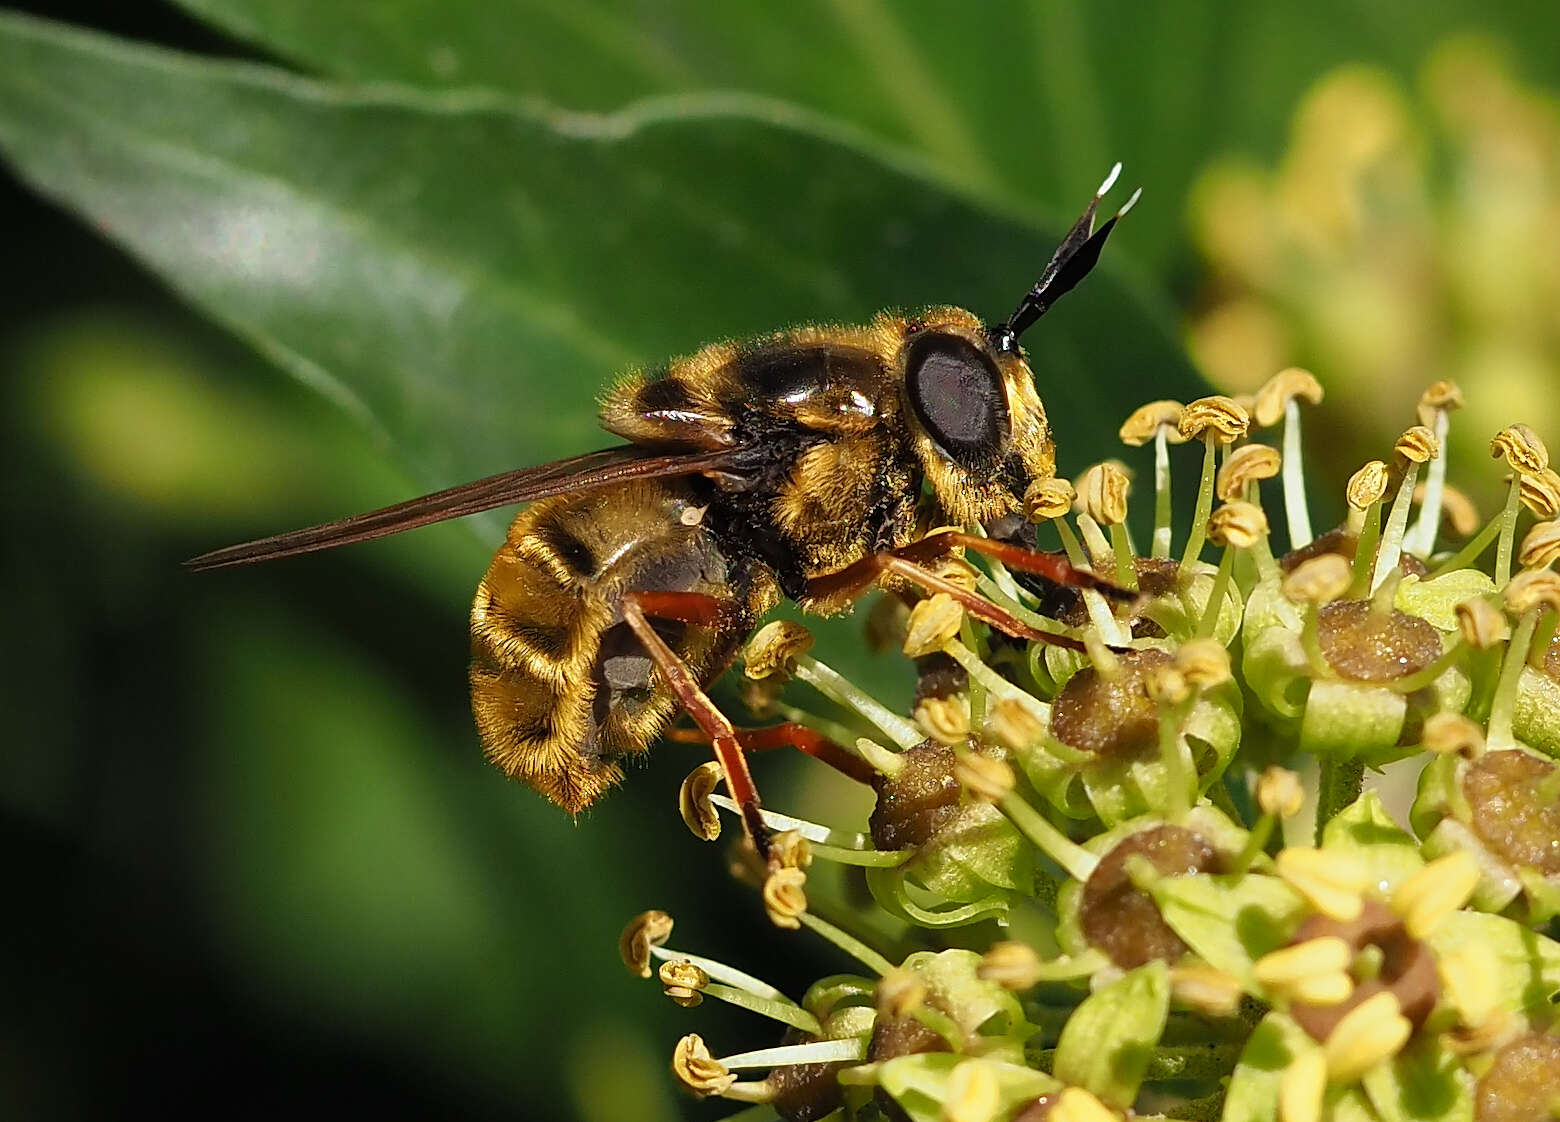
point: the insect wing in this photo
(582, 473)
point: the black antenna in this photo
(1072, 261)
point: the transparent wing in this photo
(582, 473)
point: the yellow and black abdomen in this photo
(560, 687)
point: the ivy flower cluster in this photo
(1148, 878)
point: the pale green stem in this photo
(1162, 507)
(1296, 513)
(1256, 842)
(1397, 520)
(1126, 571)
(1412, 683)
(1070, 544)
(785, 1013)
(1072, 857)
(864, 858)
(787, 1055)
(1185, 787)
(977, 687)
(720, 972)
(1204, 506)
(1473, 549)
(1503, 708)
(1365, 551)
(1093, 539)
(1338, 785)
(837, 688)
(1421, 539)
(833, 730)
(1221, 584)
(1508, 533)
(847, 943)
(997, 685)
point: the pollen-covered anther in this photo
(1218, 418)
(683, 982)
(699, 1071)
(1250, 463)
(1457, 509)
(775, 647)
(1332, 883)
(1446, 734)
(1204, 662)
(1303, 1087)
(974, 1093)
(1533, 590)
(1373, 1031)
(1320, 580)
(1015, 726)
(1368, 485)
(987, 779)
(785, 897)
(1012, 965)
(1443, 396)
(1481, 624)
(944, 719)
(1280, 792)
(1435, 892)
(933, 623)
(790, 849)
(1102, 492)
(1417, 445)
(693, 800)
(900, 992)
(1237, 525)
(1289, 968)
(1048, 498)
(1279, 390)
(1148, 421)
(1075, 1104)
(1470, 975)
(1521, 448)
(1541, 493)
(1541, 547)
(644, 932)
(956, 571)
(1205, 989)
(1167, 686)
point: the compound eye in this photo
(957, 393)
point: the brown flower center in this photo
(1509, 814)
(917, 800)
(1121, 919)
(1372, 646)
(1407, 968)
(1522, 1084)
(1113, 716)
(1345, 545)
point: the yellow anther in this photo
(1373, 1031)
(1521, 448)
(1204, 662)
(1102, 493)
(1368, 485)
(1075, 1104)
(900, 992)
(1237, 525)
(1533, 590)
(1012, 965)
(1448, 733)
(785, 897)
(1442, 396)
(776, 647)
(1319, 580)
(986, 778)
(1322, 989)
(1470, 976)
(693, 800)
(644, 932)
(1205, 989)
(1435, 892)
(933, 623)
(683, 982)
(1280, 792)
(1048, 498)
(1282, 388)
(974, 1093)
(1282, 969)
(1541, 546)
(1167, 686)
(1152, 419)
(1541, 493)
(1481, 624)
(1016, 726)
(1330, 882)
(790, 849)
(944, 719)
(1249, 463)
(1302, 1087)
(1218, 418)
(1417, 445)
(697, 1070)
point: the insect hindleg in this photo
(697, 608)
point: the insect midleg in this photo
(697, 608)
(789, 734)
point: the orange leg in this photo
(909, 562)
(789, 734)
(696, 608)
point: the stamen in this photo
(1435, 408)
(1414, 447)
(812, 831)
(849, 1049)
(874, 962)
(1072, 857)
(1331, 882)
(1219, 421)
(1373, 1031)
(1302, 1086)
(1435, 892)
(1503, 707)
(1159, 421)
(1281, 396)
(837, 688)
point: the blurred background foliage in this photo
(257, 862)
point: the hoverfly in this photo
(803, 464)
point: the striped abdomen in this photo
(559, 685)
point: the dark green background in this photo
(257, 863)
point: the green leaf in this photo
(919, 1083)
(1229, 922)
(1423, 1083)
(1253, 1091)
(467, 272)
(1365, 831)
(1107, 1042)
(1527, 964)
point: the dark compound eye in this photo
(957, 393)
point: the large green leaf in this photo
(467, 272)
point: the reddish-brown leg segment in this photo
(910, 561)
(696, 608)
(789, 734)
